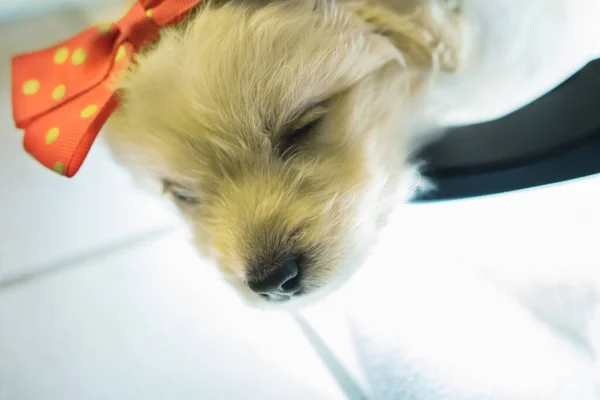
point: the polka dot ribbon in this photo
(63, 95)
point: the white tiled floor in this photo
(100, 296)
(487, 298)
(145, 324)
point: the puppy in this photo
(284, 130)
(278, 129)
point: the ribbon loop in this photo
(137, 27)
(62, 95)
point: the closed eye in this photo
(180, 194)
(301, 130)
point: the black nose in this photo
(280, 282)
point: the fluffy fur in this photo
(217, 111)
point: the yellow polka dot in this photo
(59, 168)
(52, 135)
(59, 92)
(31, 87)
(79, 56)
(121, 53)
(89, 111)
(149, 13)
(104, 28)
(61, 55)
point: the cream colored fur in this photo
(210, 109)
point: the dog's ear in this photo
(427, 32)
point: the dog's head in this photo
(277, 129)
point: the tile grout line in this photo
(341, 375)
(74, 261)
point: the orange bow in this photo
(62, 95)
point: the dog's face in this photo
(277, 130)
